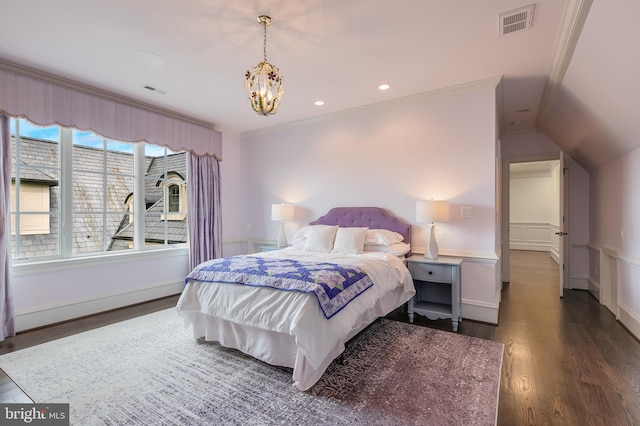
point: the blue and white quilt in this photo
(333, 285)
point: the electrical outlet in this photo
(465, 211)
(439, 236)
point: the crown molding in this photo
(573, 19)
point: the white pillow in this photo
(300, 237)
(320, 238)
(382, 237)
(398, 249)
(349, 240)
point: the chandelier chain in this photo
(265, 42)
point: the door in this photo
(563, 220)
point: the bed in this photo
(291, 328)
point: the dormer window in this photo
(175, 196)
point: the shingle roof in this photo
(176, 230)
(35, 155)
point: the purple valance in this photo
(47, 100)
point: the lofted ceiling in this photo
(195, 53)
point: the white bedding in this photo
(299, 336)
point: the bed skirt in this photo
(278, 348)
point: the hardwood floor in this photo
(566, 361)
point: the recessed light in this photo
(383, 87)
(319, 103)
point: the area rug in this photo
(149, 371)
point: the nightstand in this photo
(437, 283)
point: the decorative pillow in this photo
(349, 240)
(398, 249)
(299, 238)
(382, 237)
(320, 238)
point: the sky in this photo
(81, 137)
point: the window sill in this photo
(20, 269)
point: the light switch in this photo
(465, 211)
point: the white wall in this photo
(440, 145)
(231, 176)
(50, 292)
(531, 197)
(615, 229)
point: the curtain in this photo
(205, 213)
(7, 328)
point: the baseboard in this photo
(76, 309)
(479, 311)
(528, 247)
(629, 320)
(579, 284)
(594, 288)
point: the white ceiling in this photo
(332, 50)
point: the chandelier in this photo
(263, 83)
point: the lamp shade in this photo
(432, 211)
(282, 212)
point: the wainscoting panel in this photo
(626, 291)
(532, 236)
(594, 271)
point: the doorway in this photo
(532, 220)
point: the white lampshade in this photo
(282, 212)
(432, 211)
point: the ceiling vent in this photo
(153, 89)
(515, 20)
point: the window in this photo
(35, 190)
(34, 198)
(174, 198)
(93, 195)
(102, 179)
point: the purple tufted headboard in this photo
(371, 217)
